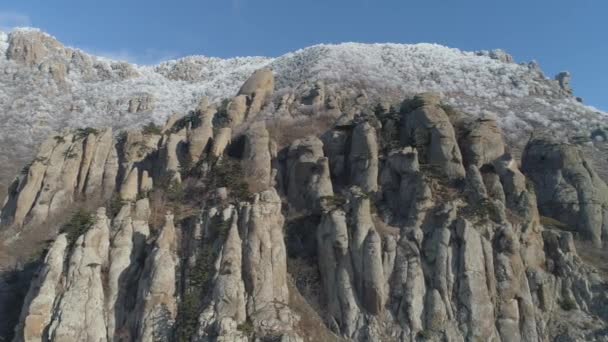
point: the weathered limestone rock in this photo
(475, 187)
(237, 110)
(567, 187)
(429, 129)
(256, 154)
(227, 308)
(94, 177)
(200, 136)
(138, 146)
(265, 259)
(81, 309)
(473, 290)
(363, 158)
(110, 173)
(258, 88)
(19, 205)
(129, 189)
(32, 47)
(51, 182)
(335, 148)
(335, 266)
(408, 284)
(516, 319)
(373, 295)
(38, 304)
(221, 140)
(308, 175)
(120, 260)
(90, 145)
(171, 120)
(156, 301)
(403, 185)
(169, 154)
(482, 143)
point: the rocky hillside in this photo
(47, 87)
(320, 214)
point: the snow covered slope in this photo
(46, 87)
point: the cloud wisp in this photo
(10, 20)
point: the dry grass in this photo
(310, 326)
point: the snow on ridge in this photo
(97, 95)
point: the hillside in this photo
(47, 87)
(346, 192)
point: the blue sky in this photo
(560, 34)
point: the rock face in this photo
(67, 167)
(567, 187)
(258, 88)
(257, 154)
(38, 305)
(308, 178)
(428, 127)
(383, 224)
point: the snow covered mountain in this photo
(47, 87)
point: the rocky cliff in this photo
(353, 220)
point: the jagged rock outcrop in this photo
(80, 312)
(251, 283)
(398, 241)
(201, 134)
(308, 174)
(427, 127)
(257, 154)
(482, 143)
(156, 303)
(258, 88)
(567, 187)
(363, 157)
(31, 47)
(67, 166)
(38, 305)
(221, 140)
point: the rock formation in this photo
(567, 187)
(407, 226)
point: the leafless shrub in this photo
(285, 130)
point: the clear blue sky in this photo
(560, 34)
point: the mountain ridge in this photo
(70, 88)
